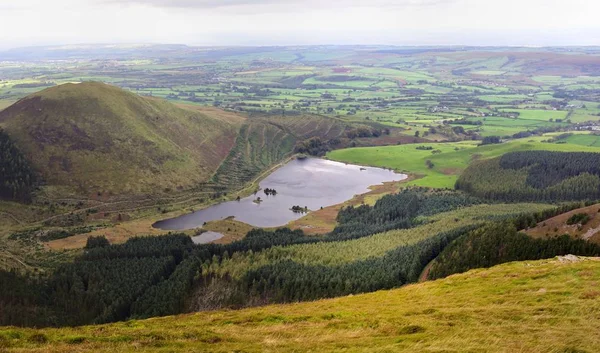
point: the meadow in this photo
(449, 159)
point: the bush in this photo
(97, 242)
(579, 218)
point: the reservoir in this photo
(311, 183)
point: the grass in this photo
(533, 114)
(559, 225)
(535, 306)
(584, 140)
(452, 159)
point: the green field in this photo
(452, 159)
(532, 114)
(584, 140)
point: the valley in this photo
(234, 190)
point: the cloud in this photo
(307, 4)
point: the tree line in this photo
(500, 242)
(17, 178)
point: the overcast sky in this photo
(289, 22)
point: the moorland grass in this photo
(532, 306)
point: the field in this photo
(449, 159)
(540, 306)
(584, 140)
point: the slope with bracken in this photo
(581, 223)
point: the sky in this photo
(297, 22)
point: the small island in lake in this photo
(270, 191)
(299, 209)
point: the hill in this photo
(92, 139)
(533, 306)
(266, 140)
(587, 228)
(534, 176)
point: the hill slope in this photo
(93, 138)
(267, 140)
(587, 230)
(534, 176)
(539, 306)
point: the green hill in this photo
(95, 139)
(266, 140)
(534, 306)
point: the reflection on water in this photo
(311, 182)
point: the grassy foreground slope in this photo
(449, 159)
(93, 138)
(534, 306)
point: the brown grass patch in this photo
(557, 226)
(231, 229)
(451, 171)
(120, 233)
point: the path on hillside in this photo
(425, 274)
(11, 216)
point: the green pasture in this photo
(449, 162)
(537, 114)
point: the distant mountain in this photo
(89, 138)
(93, 52)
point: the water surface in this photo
(311, 182)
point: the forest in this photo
(17, 178)
(155, 276)
(108, 282)
(500, 242)
(534, 176)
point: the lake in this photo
(311, 182)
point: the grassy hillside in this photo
(589, 229)
(267, 140)
(449, 159)
(95, 139)
(533, 306)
